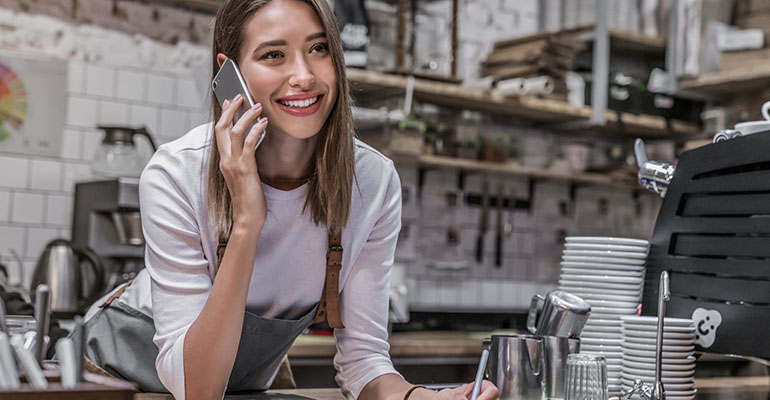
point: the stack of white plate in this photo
(608, 273)
(678, 361)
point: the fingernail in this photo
(237, 97)
(256, 106)
(226, 103)
(263, 120)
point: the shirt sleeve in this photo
(362, 347)
(180, 281)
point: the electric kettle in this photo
(118, 155)
(73, 287)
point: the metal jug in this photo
(563, 314)
(556, 351)
(517, 366)
(72, 287)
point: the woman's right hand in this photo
(238, 163)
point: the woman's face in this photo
(288, 68)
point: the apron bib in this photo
(119, 337)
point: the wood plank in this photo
(530, 108)
(515, 169)
(752, 78)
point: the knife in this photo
(79, 342)
(483, 223)
(499, 229)
(42, 316)
(27, 360)
(65, 352)
(8, 371)
(3, 324)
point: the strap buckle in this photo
(333, 248)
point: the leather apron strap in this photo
(329, 304)
(116, 294)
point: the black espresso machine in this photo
(712, 235)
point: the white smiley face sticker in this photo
(706, 324)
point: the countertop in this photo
(410, 344)
(737, 388)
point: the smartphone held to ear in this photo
(229, 83)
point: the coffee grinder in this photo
(106, 219)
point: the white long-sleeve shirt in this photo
(290, 264)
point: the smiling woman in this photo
(242, 244)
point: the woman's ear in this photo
(221, 59)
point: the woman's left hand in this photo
(488, 391)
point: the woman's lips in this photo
(302, 112)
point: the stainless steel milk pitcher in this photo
(563, 314)
(556, 351)
(517, 366)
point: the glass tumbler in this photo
(586, 377)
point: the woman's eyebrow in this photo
(275, 43)
(315, 36)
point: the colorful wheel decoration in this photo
(13, 101)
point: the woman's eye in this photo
(272, 54)
(320, 47)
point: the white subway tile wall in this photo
(37, 193)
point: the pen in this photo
(480, 374)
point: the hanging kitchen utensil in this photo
(483, 223)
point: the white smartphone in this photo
(228, 83)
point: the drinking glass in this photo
(586, 377)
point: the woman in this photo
(226, 234)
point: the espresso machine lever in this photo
(653, 175)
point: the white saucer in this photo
(654, 328)
(606, 239)
(614, 311)
(596, 321)
(654, 334)
(664, 367)
(653, 347)
(595, 330)
(653, 321)
(585, 264)
(607, 278)
(598, 341)
(601, 285)
(613, 303)
(668, 383)
(601, 290)
(605, 296)
(666, 374)
(636, 262)
(605, 253)
(653, 342)
(569, 271)
(600, 247)
(668, 356)
(681, 361)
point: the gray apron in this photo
(117, 332)
(119, 339)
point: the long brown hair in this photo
(330, 186)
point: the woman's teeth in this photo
(299, 103)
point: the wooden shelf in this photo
(515, 169)
(751, 79)
(526, 107)
(628, 41)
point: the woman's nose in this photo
(301, 74)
